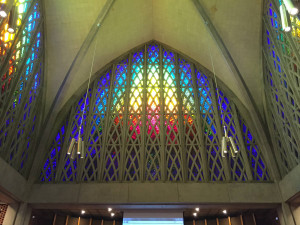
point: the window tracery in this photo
(153, 116)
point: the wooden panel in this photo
(197, 222)
(235, 220)
(107, 222)
(60, 220)
(73, 221)
(224, 221)
(212, 222)
(84, 221)
(248, 219)
(96, 222)
(201, 222)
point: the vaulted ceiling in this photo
(130, 23)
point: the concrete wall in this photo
(290, 184)
(158, 193)
(296, 214)
(11, 182)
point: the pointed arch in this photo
(21, 71)
(153, 115)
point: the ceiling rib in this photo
(231, 63)
(49, 119)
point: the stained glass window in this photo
(153, 116)
(21, 72)
(281, 76)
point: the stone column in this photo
(18, 214)
(285, 215)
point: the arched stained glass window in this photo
(21, 56)
(281, 76)
(154, 116)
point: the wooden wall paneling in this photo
(97, 222)
(60, 220)
(201, 222)
(67, 220)
(72, 221)
(248, 219)
(195, 222)
(54, 219)
(107, 222)
(241, 218)
(85, 221)
(224, 221)
(236, 220)
(211, 222)
(253, 216)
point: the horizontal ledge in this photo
(155, 193)
(153, 207)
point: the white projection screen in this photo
(152, 217)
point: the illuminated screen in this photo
(157, 218)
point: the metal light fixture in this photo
(225, 139)
(3, 10)
(291, 7)
(232, 145)
(285, 22)
(76, 147)
(12, 20)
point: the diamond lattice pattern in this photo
(153, 116)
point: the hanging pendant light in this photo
(82, 152)
(3, 10)
(73, 153)
(5, 7)
(12, 20)
(286, 26)
(224, 146)
(79, 144)
(233, 145)
(291, 7)
(228, 140)
(71, 146)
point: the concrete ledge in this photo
(290, 184)
(12, 183)
(155, 193)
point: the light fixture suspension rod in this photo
(87, 89)
(217, 88)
